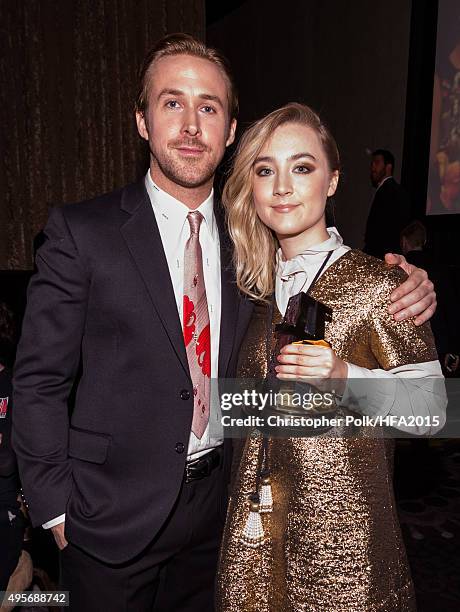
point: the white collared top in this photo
(296, 274)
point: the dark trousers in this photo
(175, 573)
(11, 536)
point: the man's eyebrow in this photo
(211, 98)
(170, 92)
(294, 157)
(179, 92)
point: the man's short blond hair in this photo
(184, 44)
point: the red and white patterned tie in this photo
(197, 333)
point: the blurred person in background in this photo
(390, 208)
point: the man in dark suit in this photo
(135, 304)
(142, 491)
(390, 208)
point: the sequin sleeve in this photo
(395, 343)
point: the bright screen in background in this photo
(444, 175)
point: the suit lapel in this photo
(143, 240)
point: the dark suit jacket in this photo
(444, 322)
(389, 214)
(102, 302)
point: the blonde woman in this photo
(331, 539)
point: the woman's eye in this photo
(172, 104)
(208, 109)
(302, 169)
(264, 172)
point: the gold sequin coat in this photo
(334, 541)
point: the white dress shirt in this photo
(171, 218)
(426, 398)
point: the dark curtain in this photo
(68, 80)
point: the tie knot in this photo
(195, 218)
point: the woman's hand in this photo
(415, 296)
(318, 365)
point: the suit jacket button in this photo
(184, 394)
(180, 447)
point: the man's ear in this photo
(333, 183)
(141, 125)
(231, 133)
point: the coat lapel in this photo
(143, 240)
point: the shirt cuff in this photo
(367, 393)
(53, 522)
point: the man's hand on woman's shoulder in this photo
(415, 297)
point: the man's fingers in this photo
(424, 294)
(401, 261)
(415, 297)
(418, 278)
(421, 309)
(393, 258)
(427, 314)
(61, 542)
(59, 537)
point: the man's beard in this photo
(186, 172)
(376, 180)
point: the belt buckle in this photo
(188, 476)
(204, 470)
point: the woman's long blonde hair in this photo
(255, 244)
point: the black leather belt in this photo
(203, 466)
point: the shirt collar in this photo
(382, 181)
(311, 256)
(285, 269)
(173, 212)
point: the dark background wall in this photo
(349, 60)
(69, 77)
